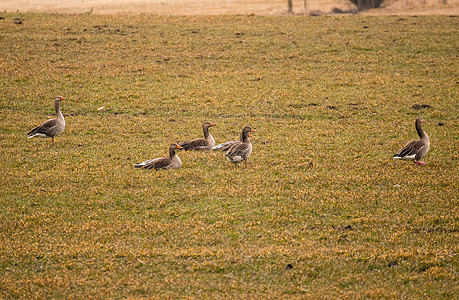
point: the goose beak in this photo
(179, 147)
(213, 124)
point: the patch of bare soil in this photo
(227, 7)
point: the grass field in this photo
(331, 99)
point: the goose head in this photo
(207, 125)
(246, 132)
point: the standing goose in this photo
(171, 162)
(242, 150)
(51, 128)
(417, 149)
(201, 144)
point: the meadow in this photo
(322, 210)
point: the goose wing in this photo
(156, 163)
(194, 144)
(238, 149)
(411, 148)
(225, 146)
(44, 128)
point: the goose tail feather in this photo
(222, 145)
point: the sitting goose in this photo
(201, 144)
(51, 128)
(171, 162)
(415, 150)
(242, 150)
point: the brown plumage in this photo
(241, 151)
(417, 149)
(201, 144)
(225, 146)
(53, 127)
(171, 162)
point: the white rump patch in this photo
(39, 135)
(411, 157)
(235, 159)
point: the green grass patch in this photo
(331, 99)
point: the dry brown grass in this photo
(331, 99)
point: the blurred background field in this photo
(225, 7)
(322, 211)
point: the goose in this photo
(201, 144)
(171, 162)
(53, 127)
(241, 151)
(417, 149)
